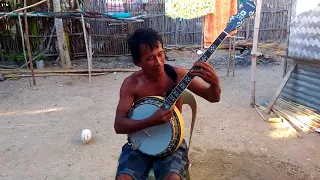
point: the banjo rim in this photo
(177, 126)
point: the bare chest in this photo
(144, 89)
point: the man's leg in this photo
(133, 165)
(173, 167)
(172, 176)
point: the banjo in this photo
(164, 139)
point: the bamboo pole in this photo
(285, 65)
(24, 8)
(28, 43)
(23, 47)
(90, 57)
(254, 51)
(54, 74)
(86, 41)
(248, 29)
(44, 71)
(61, 37)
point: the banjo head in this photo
(165, 138)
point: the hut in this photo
(298, 97)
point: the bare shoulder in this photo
(127, 92)
(130, 81)
(180, 71)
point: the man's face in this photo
(152, 61)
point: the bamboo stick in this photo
(254, 50)
(279, 90)
(40, 71)
(54, 74)
(28, 43)
(24, 8)
(85, 34)
(293, 117)
(285, 66)
(293, 120)
(90, 56)
(304, 120)
(23, 46)
(291, 125)
(313, 117)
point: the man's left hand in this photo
(205, 71)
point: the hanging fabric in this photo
(188, 9)
(216, 22)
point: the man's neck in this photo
(153, 79)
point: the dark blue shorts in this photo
(137, 165)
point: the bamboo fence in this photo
(110, 37)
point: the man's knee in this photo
(172, 176)
(124, 177)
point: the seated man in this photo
(155, 79)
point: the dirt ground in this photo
(40, 128)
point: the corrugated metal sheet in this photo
(304, 40)
(303, 86)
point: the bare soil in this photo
(40, 127)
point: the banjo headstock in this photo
(245, 10)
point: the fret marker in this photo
(171, 97)
(204, 57)
(182, 86)
(212, 48)
(188, 79)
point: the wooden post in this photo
(85, 34)
(24, 47)
(248, 29)
(63, 50)
(281, 87)
(90, 56)
(26, 37)
(254, 51)
(285, 63)
(202, 34)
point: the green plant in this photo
(16, 57)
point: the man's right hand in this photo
(162, 116)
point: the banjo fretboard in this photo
(186, 80)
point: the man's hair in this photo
(143, 36)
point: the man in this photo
(155, 79)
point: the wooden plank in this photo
(278, 92)
(304, 60)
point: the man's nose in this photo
(157, 61)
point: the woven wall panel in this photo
(304, 40)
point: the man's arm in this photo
(211, 91)
(123, 124)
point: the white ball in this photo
(199, 52)
(85, 135)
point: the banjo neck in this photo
(186, 80)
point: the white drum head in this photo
(160, 136)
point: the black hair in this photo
(143, 36)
